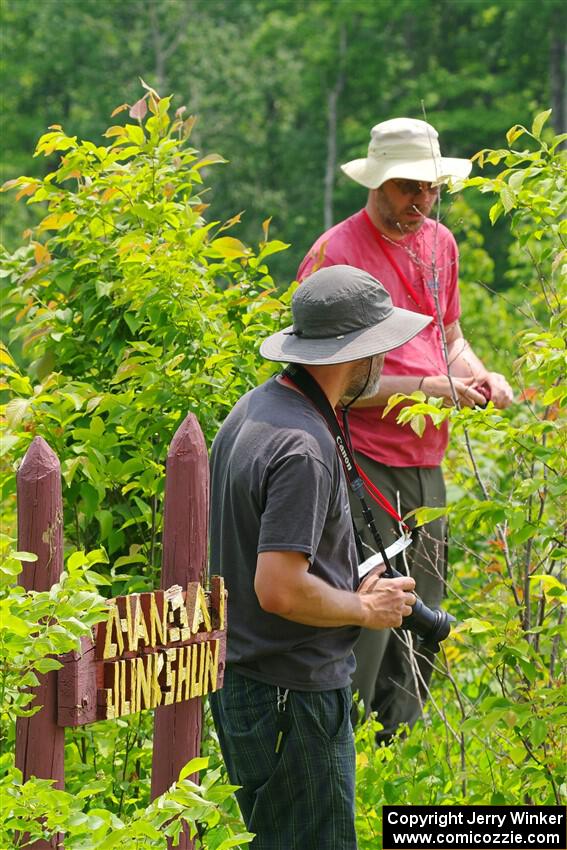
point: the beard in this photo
(365, 379)
(392, 218)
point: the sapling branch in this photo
(526, 576)
(540, 616)
(462, 743)
(543, 284)
(418, 674)
(541, 764)
(555, 644)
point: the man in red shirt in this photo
(416, 259)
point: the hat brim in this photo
(372, 173)
(400, 326)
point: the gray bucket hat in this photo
(340, 314)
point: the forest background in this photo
(284, 90)
(120, 317)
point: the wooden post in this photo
(177, 728)
(40, 741)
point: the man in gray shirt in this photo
(282, 537)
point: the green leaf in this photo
(417, 424)
(516, 179)
(508, 198)
(16, 410)
(395, 399)
(557, 393)
(227, 247)
(104, 518)
(69, 468)
(272, 247)
(12, 624)
(551, 586)
(524, 533)
(45, 665)
(495, 212)
(209, 159)
(424, 515)
(129, 559)
(97, 556)
(539, 121)
(117, 130)
(476, 626)
(24, 556)
(236, 840)
(514, 133)
(113, 840)
(538, 729)
(8, 442)
(529, 669)
(6, 358)
(135, 133)
(193, 766)
(76, 560)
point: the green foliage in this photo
(128, 311)
(519, 496)
(36, 626)
(103, 804)
(262, 76)
(42, 811)
(494, 731)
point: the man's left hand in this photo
(501, 393)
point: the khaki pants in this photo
(392, 677)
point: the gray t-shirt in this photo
(277, 485)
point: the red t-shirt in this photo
(354, 242)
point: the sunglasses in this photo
(415, 187)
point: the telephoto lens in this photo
(431, 625)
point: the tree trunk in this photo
(558, 82)
(333, 97)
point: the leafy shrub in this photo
(35, 626)
(43, 812)
(494, 729)
(128, 311)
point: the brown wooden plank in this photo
(84, 680)
(77, 686)
(39, 740)
(177, 727)
(218, 600)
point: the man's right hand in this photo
(386, 601)
(439, 386)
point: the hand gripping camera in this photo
(430, 625)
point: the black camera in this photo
(431, 625)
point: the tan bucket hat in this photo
(341, 313)
(407, 148)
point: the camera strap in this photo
(311, 389)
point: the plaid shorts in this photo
(301, 798)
